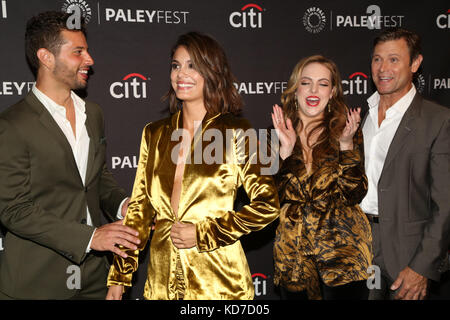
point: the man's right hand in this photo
(107, 236)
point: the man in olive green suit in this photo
(54, 182)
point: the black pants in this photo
(356, 290)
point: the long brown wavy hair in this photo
(209, 59)
(333, 121)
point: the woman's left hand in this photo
(183, 235)
(352, 124)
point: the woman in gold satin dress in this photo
(195, 252)
(322, 247)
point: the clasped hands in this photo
(183, 235)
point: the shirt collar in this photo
(399, 107)
(53, 107)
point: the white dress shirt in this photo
(78, 142)
(377, 141)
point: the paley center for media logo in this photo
(314, 19)
(79, 8)
(250, 16)
(132, 85)
(419, 82)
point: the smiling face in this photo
(392, 71)
(314, 90)
(186, 81)
(73, 61)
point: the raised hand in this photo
(352, 124)
(285, 131)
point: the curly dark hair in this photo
(44, 31)
(209, 59)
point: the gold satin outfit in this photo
(217, 267)
(323, 233)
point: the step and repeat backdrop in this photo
(130, 42)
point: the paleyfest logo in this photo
(78, 9)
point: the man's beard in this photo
(68, 77)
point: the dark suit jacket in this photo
(43, 200)
(414, 192)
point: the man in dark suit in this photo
(407, 145)
(54, 181)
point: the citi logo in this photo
(251, 18)
(133, 85)
(356, 84)
(260, 284)
(3, 10)
(443, 20)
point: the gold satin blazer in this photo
(217, 267)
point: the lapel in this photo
(191, 168)
(168, 167)
(50, 124)
(406, 126)
(94, 140)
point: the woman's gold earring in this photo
(296, 103)
(329, 106)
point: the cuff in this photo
(119, 215)
(118, 279)
(349, 157)
(88, 249)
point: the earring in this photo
(296, 103)
(329, 106)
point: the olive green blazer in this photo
(43, 200)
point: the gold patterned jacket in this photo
(323, 234)
(217, 267)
